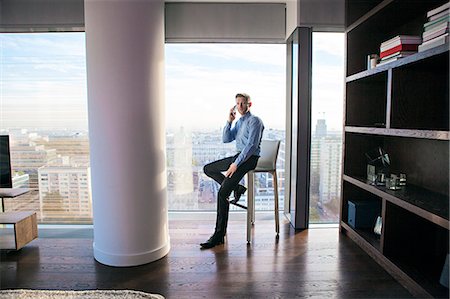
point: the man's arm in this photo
(228, 134)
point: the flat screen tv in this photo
(5, 163)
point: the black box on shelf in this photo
(363, 213)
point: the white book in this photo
(437, 16)
(435, 29)
(435, 34)
(388, 60)
(441, 40)
(438, 9)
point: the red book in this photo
(401, 47)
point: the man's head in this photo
(243, 103)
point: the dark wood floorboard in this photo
(316, 263)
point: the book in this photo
(398, 40)
(438, 9)
(437, 16)
(441, 40)
(435, 34)
(399, 54)
(388, 60)
(432, 24)
(401, 47)
(437, 28)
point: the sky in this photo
(43, 81)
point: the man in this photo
(247, 132)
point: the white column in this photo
(125, 72)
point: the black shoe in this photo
(238, 193)
(212, 242)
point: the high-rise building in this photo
(65, 194)
(330, 168)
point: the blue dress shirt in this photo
(247, 132)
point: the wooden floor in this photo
(316, 263)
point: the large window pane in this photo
(326, 135)
(43, 108)
(201, 82)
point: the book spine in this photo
(441, 40)
(437, 16)
(407, 40)
(399, 54)
(400, 39)
(435, 23)
(438, 9)
(402, 47)
(436, 29)
(435, 34)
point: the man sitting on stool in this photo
(247, 132)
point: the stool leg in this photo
(275, 190)
(250, 200)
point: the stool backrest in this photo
(269, 154)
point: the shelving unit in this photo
(402, 107)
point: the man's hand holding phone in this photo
(232, 115)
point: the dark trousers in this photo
(227, 185)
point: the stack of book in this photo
(398, 47)
(435, 31)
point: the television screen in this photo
(5, 163)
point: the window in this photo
(43, 108)
(326, 126)
(201, 83)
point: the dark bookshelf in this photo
(425, 203)
(386, 20)
(402, 107)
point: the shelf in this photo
(366, 101)
(423, 134)
(422, 202)
(369, 236)
(401, 62)
(433, 287)
(407, 244)
(412, 285)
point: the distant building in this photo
(321, 128)
(330, 168)
(326, 156)
(65, 194)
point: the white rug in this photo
(94, 294)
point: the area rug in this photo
(91, 294)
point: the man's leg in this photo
(214, 170)
(227, 186)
